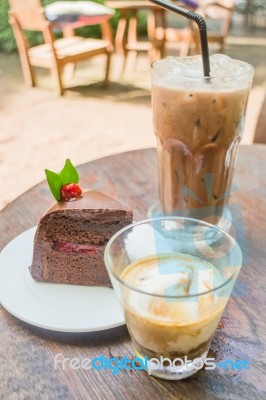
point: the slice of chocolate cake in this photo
(71, 237)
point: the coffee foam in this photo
(225, 72)
(179, 275)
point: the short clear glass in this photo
(173, 277)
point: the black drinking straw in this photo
(202, 28)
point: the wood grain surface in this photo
(27, 353)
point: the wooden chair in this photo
(155, 44)
(126, 39)
(187, 37)
(53, 54)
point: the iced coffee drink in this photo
(199, 124)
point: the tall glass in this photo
(173, 277)
(198, 123)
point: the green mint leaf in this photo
(69, 173)
(55, 183)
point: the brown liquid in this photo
(172, 355)
(177, 328)
(154, 339)
(198, 133)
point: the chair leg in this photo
(132, 58)
(151, 27)
(164, 26)
(69, 70)
(107, 70)
(120, 33)
(124, 64)
(56, 73)
(184, 49)
(120, 39)
(27, 69)
(27, 72)
(22, 45)
(152, 55)
(135, 59)
(222, 45)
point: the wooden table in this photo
(126, 38)
(128, 23)
(27, 353)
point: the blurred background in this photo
(39, 128)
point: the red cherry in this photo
(70, 191)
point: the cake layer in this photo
(71, 268)
(78, 231)
(74, 248)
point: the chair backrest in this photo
(218, 11)
(29, 14)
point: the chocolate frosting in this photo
(90, 199)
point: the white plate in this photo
(58, 307)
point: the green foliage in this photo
(69, 174)
(7, 40)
